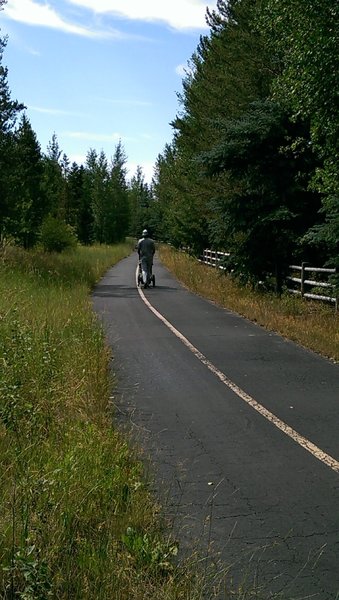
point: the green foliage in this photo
(70, 484)
(149, 551)
(53, 183)
(56, 235)
(92, 200)
(9, 109)
(28, 207)
(79, 213)
(97, 180)
(254, 150)
(140, 204)
(9, 112)
(28, 567)
(108, 195)
(180, 201)
(306, 35)
(117, 212)
(229, 69)
(262, 216)
(324, 236)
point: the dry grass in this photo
(77, 520)
(311, 324)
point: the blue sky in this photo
(96, 71)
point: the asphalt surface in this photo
(233, 484)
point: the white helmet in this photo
(145, 233)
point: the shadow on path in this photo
(124, 291)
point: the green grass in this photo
(77, 520)
(312, 324)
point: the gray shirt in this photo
(146, 248)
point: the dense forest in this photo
(48, 201)
(252, 167)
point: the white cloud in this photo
(181, 70)
(147, 166)
(80, 159)
(33, 52)
(179, 14)
(94, 137)
(55, 111)
(147, 169)
(31, 12)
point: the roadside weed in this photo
(70, 486)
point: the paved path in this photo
(233, 482)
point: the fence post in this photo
(303, 277)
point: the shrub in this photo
(56, 235)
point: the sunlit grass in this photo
(311, 324)
(72, 491)
(77, 519)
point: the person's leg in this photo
(149, 270)
(144, 270)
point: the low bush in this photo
(56, 235)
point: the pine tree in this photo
(140, 199)
(79, 210)
(97, 175)
(9, 112)
(228, 71)
(26, 182)
(267, 206)
(53, 181)
(306, 35)
(118, 214)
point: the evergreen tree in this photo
(53, 181)
(230, 69)
(26, 182)
(64, 207)
(79, 210)
(9, 111)
(97, 184)
(180, 200)
(117, 217)
(267, 207)
(140, 200)
(306, 35)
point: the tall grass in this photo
(311, 324)
(77, 520)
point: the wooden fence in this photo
(213, 258)
(311, 288)
(298, 281)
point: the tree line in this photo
(47, 200)
(252, 168)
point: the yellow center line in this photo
(289, 431)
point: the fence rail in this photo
(213, 258)
(305, 285)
